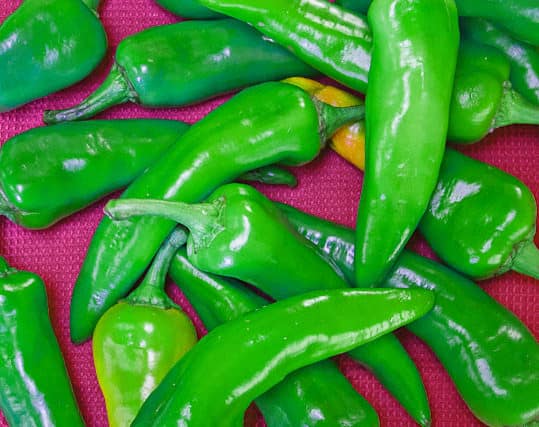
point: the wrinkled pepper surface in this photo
(46, 46)
(265, 124)
(35, 389)
(268, 344)
(183, 63)
(229, 236)
(489, 353)
(302, 398)
(138, 340)
(407, 109)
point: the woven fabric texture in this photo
(329, 187)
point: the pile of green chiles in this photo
(280, 291)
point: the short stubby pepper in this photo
(46, 46)
(524, 57)
(184, 63)
(407, 109)
(229, 237)
(35, 389)
(189, 9)
(494, 363)
(268, 344)
(47, 173)
(262, 125)
(481, 220)
(302, 398)
(139, 340)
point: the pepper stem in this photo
(526, 260)
(202, 219)
(515, 109)
(4, 267)
(113, 91)
(151, 291)
(332, 118)
(6, 209)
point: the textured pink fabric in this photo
(329, 187)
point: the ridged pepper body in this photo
(35, 389)
(45, 46)
(407, 109)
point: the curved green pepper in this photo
(34, 385)
(268, 344)
(190, 9)
(407, 110)
(489, 354)
(500, 236)
(229, 237)
(302, 398)
(265, 124)
(45, 46)
(139, 340)
(524, 57)
(178, 64)
(359, 6)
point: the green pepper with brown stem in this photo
(183, 63)
(490, 355)
(265, 124)
(302, 398)
(46, 46)
(229, 237)
(269, 344)
(138, 340)
(35, 389)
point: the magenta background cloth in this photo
(329, 187)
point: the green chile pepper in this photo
(302, 398)
(35, 389)
(139, 340)
(500, 236)
(229, 237)
(489, 354)
(183, 63)
(265, 124)
(358, 6)
(524, 57)
(407, 110)
(45, 46)
(268, 344)
(190, 9)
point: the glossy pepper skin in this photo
(50, 172)
(307, 28)
(230, 237)
(35, 389)
(302, 398)
(139, 340)
(189, 9)
(269, 344)
(489, 354)
(265, 124)
(524, 57)
(481, 220)
(407, 110)
(184, 63)
(45, 46)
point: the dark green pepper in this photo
(481, 220)
(268, 344)
(489, 354)
(35, 389)
(183, 63)
(265, 124)
(359, 6)
(45, 46)
(138, 340)
(189, 9)
(407, 108)
(239, 233)
(524, 57)
(302, 398)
